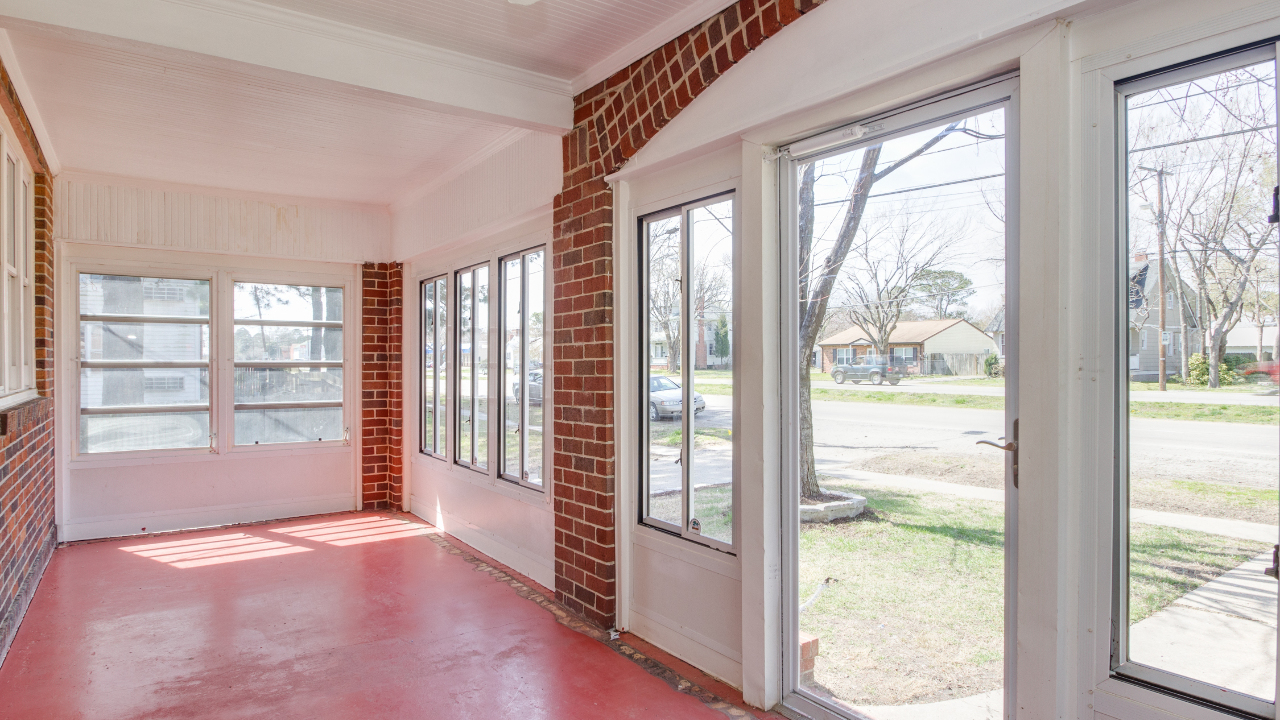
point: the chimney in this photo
(1140, 257)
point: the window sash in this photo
(688, 360)
(527, 471)
(1120, 665)
(471, 443)
(434, 400)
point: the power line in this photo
(1195, 140)
(913, 189)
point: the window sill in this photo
(200, 454)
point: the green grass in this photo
(979, 382)
(1206, 412)
(675, 437)
(916, 614)
(1245, 387)
(712, 506)
(1231, 495)
(1251, 414)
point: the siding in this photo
(119, 213)
(961, 338)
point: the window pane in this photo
(10, 211)
(127, 295)
(287, 303)
(143, 341)
(536, 302)
(512, 350)
(464, 368)
(254, 385)
(266, 426)
(120, 387)
(428, 421)
(156, 431)
(442, 358)
(482, 367)
(710, 350)
(269, 342)
(662, 396)
(1202, 267)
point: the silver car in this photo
(666, 399)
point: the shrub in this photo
(991, 366)
(1198, 370)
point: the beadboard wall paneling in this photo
(503, 189)
(184, 219)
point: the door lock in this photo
(1009, 447)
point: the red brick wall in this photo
(381, 386)
(612, 121)
(27, 533)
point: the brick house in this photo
(910, 343)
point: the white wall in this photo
(516, 183)
(144, 214)
(513, 524)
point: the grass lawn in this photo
(712, 506)
(1252, 414)
(916, 612)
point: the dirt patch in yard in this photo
(1226, 500)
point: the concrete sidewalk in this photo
(1214, 526)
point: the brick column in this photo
(381, 386)
(612, 121)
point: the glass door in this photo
(900, 412)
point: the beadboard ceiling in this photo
(363, 101)
(184, 120)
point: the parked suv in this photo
(872, 369)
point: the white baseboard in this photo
(163, 521)
(686, 644)
(540, 570)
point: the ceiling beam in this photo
(249, 32)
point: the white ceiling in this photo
(562, 38)
(183, 119)
(357, 100)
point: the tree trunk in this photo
(809, 487)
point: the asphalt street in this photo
(849, 432)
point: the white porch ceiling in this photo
(186, 120)
(355, 100)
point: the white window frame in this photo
(1001, 91)
(474, 462)
(497, 349)
(687, 386)
(17, 382)
(438, 446)
(845, 355)
(221, 350)
(1122, 670)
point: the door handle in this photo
(1009, 447)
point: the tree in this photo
(711, 286)
(943, 292)
(891, 266)
(720, 340)
(818, 276)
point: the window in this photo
(473, 368)
(1192, 612)
(434, 420)
(845, 356)
(144, 364)
(688, 474)
(288, 364)
(17, 292)
(523, 356)
(904, 356)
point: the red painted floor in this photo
(349, 616)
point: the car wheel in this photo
(653, 411)
(893, 382)
(857, 382)
(876, 379)
(838, 377)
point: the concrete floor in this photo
(349, 616)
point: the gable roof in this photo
(908, 331)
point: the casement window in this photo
(144, 363)
(688, 475)
(1193, 612)
(523, 334)
(435, 360)
(17, 290)
(288, 364)
(146, 366)
(472, 314)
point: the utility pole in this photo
(1160, 273)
